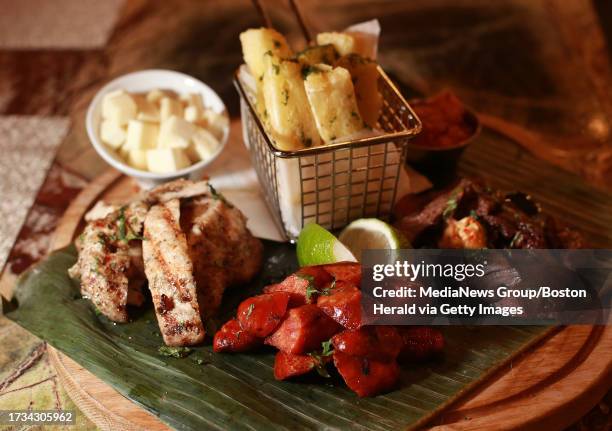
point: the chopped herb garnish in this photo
(268, 52)
(327, 348)
(276, 69)
(218, 196)
(473, 214)
(451, 204)
(125, 230)
(96, 265)
(285, 96)
(174, 352)
(121, 221)
(250, 310)
(311, 288)
(320, 358)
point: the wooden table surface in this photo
(542, 66)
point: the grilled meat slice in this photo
(169, 270)
(110, 265)
(260, 315)
(105, 256)
(100, 210)
(510, 220)
(288, 365)
(178, 189)
(210, 244)
(304, 286)
(223, 250)
(232, 338)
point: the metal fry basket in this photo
(337, 183)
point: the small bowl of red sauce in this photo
(448, 128)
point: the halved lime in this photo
(317, 246)
(371, 233)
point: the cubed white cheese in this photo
(137, 159)
(175, 133)
(118, 107)
(215, 123)
(203, 145)
(112, 134)
(141, 135)
(148, 117)
(166, 160)
(124, 152)
(192, 114)
(169, 107)
(156, 95)
(147, 111)
(193, 99)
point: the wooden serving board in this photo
(548, 386)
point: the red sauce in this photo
(444, 121)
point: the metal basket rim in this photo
(408, 133)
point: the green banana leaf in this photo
(221, 391)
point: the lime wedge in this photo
(317, 246)
(371, 233)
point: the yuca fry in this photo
(287, 108)
(364, 74)
(256, 42)
(318, 54)
(333, 102)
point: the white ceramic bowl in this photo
(140, 82)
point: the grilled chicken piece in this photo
(104, 262)
(223, 250)
(178, 189)
(192, 236)
(169, 270)
(110, 265)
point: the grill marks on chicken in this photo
(195, 246)
(223, 251)
(170, 273)
(472, 215)
(105, 260)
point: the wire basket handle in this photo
(296, 12)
